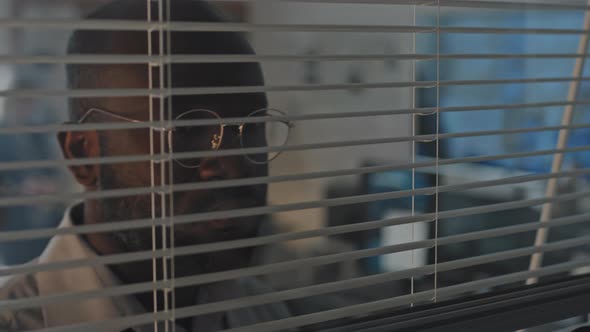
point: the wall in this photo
(298, 73)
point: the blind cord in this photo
(413, 152)
(436, 195)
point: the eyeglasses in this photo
(192, 138)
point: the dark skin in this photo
(93, 144)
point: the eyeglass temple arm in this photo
(96, 110)
(117, 116)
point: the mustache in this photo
(220, 199)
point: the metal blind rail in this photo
(124, 258)
(230, 58)
(302, 117)
(443, 292)
(35, 164)
(137, 25)
(89, 93)
(514, 5)
(143, 319)
(142, 223)
(32, 302)
(113, 193)
(132, 92)
(512, 106)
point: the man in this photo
(106, 143)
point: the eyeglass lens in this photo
(188, 139)
(208, 137)
(268, 133)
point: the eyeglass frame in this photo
(217, 139)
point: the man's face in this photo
(172, 202)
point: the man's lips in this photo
(220, 224)
(219, 221)
(223, 223)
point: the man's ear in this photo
(81, 145)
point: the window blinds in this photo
(430, 27)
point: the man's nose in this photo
(225, 167)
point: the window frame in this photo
(507, 310)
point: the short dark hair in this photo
(186, 42)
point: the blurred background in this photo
(23, 112)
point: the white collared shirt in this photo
(92, 278)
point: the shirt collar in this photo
(90, 278)
(80, 279)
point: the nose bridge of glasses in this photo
(230, 135)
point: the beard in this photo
(186, 234)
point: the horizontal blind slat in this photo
(133, 92)
(510, 5)
(98, 93)
(143, 25)
(229, 58)
(138, 25)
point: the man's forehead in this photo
(139, 107)
(138, 77)
(121, 77)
